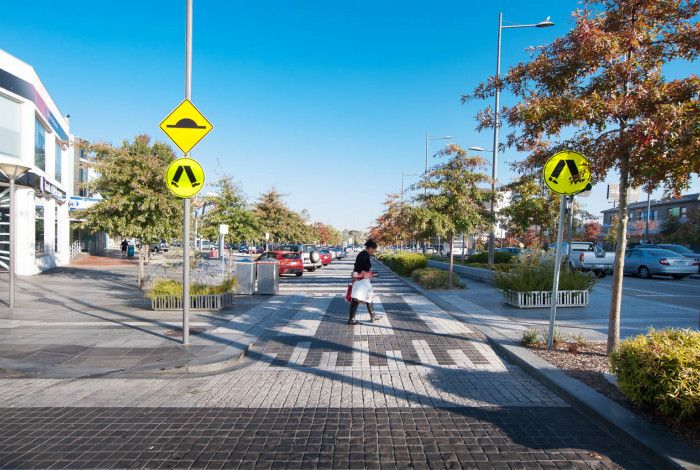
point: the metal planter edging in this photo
(197, 302)
(543, 299)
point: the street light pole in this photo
(494, 172)
(427, 138)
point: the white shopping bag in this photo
(362, 290)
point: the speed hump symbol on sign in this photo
(185, 177)
(567, 172)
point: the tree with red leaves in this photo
(600, 89)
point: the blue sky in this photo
(327, 101)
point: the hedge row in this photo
(431, 278)
(499, 257)
(404, 263)
(661, 371)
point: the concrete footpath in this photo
(480, 306)
(91, 320)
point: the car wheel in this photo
(311, 269)
(315, 256)
(644, 272)
(600, 274)
(299, 274)
(678, 276)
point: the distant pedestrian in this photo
(124, 246)
(362, 271)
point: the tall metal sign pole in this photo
(566, 173)
(186, 126)
(186, 218)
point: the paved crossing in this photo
(417, 389)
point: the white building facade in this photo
(33, 133)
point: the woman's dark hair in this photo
(370, 244)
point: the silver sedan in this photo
(646, 262)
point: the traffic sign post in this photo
(186, 126)
(566, 173)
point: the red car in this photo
(289, 263)
(326, 257)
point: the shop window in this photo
(39, 145)
(674, 211)
(57, 160)
(10, 124)
(684, 211)
(39, 231)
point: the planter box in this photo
(197, 302)
(478, 274)
(543, 299)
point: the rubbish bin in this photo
(268, 277)
(130, 251)
(245, 274)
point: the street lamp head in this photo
(545, 24)
(476, 149)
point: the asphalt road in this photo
(681, 292)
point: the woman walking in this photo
(362, 270)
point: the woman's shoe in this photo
(354, 322)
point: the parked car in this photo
(289, 263)
(587, 256)
(159, 247)
(647, 262)
(326, 257)
(339, 252)
(310, 254)
(679, 249)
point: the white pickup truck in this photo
(588, 256)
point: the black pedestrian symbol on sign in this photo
(190, 176)
(576, 175)
(186, 123)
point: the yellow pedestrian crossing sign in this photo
(567, 172)
(185, 177)
(186, 126)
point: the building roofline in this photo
(657, 202)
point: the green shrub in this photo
(405, 263)
(661, 370)
(530, 273)
(529, 337)
(499, 257)
(431, 278)
(169, 287)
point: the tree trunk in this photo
(616, 293)
(452, 262)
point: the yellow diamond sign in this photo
(185, 177)
(186, 126)
(567, 172)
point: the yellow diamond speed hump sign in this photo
(185, 177)
(567, 172)
(186, 126)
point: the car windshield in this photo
(678, 249)
(289, 247)
(582, 247)
(662, 253)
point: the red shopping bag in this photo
(348, 294)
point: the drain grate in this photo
(178, 333)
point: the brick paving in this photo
(415, 390)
